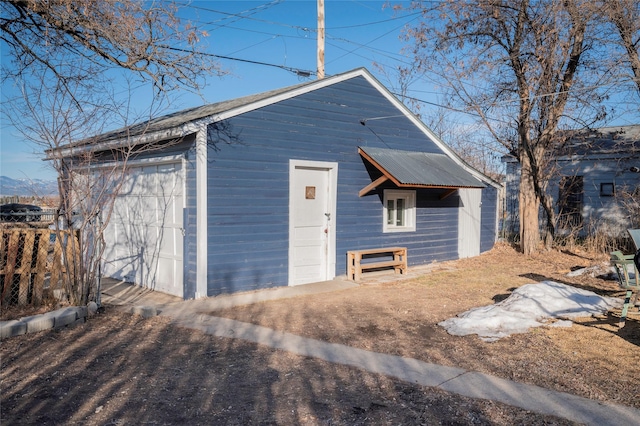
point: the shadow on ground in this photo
(122, 369)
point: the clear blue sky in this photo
(281, 33)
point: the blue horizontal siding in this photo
(248, 185)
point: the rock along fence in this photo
(55, 319)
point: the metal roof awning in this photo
(411, 169)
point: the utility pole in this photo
(320, 39)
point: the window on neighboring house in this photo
(399, 211)
(570, 201)
(607, 189)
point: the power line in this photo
(391, 55)
(377, 38)
(375, 22)
(308, 73)
(245, 14)
(401, 96)
(242, 15)
(298, 71)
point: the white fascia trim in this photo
(194, 126)
(174, 133)
(166, 159)
(329, 81)
(202, 267)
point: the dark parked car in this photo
(16, 212)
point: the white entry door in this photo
(312, 206)
(469, 222)
(144, 240)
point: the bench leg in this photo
(625, 308)
(357, 267)
(350, 266)
(400, 258)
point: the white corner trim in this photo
(201, 213)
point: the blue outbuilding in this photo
(273, 190)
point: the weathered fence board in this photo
(27, 258)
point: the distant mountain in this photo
(27, 187)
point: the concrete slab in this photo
(12, 328)
(211, 304)
(450, 379)
(70, 315)
(41, 322)
(540, 400)
(120, 293)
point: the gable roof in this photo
(190, 115)
(182, 123)
(189, 121)
(606, 142)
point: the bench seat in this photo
(355, 266)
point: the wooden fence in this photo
(31, 262)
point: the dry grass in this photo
(118, 369)
(593, 358)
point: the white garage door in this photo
(144, 238)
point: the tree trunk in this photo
(550, 228)
(529, 203)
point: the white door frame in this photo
(332, 169)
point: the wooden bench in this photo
(355, 267)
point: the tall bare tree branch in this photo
(625, 16)
(102, 35)
(67, 59)
(536, 65)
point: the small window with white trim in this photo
(399, 211)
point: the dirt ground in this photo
(120, 369)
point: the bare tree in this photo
(147, 39)
(67, 59)
(625, 16)
(467, 139)
(528, 69)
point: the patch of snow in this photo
(532, 305)
(581, 271)
(596, 270)
(561, 323)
